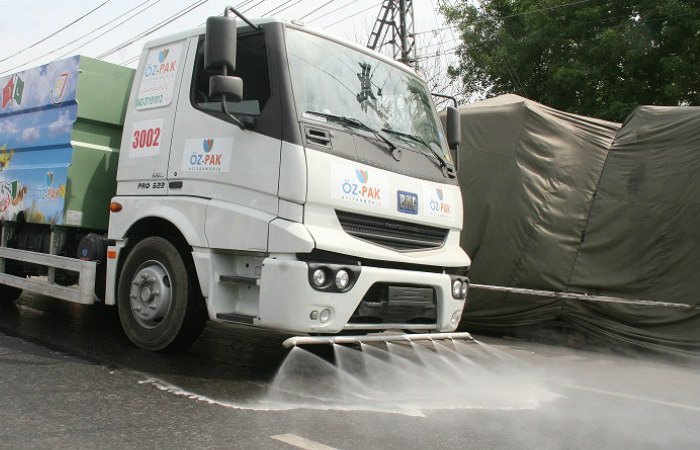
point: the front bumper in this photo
(288, 302)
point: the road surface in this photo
(70, 379)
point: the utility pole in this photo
(394, 29)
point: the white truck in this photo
(268, 175)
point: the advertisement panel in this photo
(38, 110)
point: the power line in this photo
(242, 4)
(440, 44)
(440, 41)
(513, 74)
(115, 26)
(549, 8)
(85, 35)
(525, 13)
(452, 32)
(352, 15)
(153, 29)
(133, 59)
(451, 51)
(238, 6)
(287, 7)
(331, 12)
(450, 27)
(697, 11)
(319, 8)
(255, 5)
(57, 31)
(277, 7)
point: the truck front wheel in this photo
(160, 305)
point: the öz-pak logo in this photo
(360, 185)
(207, 155)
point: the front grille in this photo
(397, 304)
(402, 236)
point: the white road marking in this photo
(269, 406)
(300, 442)
(634, 397)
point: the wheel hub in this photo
(151, 294)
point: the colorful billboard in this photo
(38, 111)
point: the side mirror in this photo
(220, 40)
(454, 132)
(222, 85)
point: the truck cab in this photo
(331, 204)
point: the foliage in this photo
(599, 58)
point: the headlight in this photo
(465, 287)
(319, 277)
(456, 288)
(342, 279)
(333, 278)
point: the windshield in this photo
(332, 79)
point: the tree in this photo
(599, 58)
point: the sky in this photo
(102, 31)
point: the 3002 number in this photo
(146, 138)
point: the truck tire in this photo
(158, 298)
(9, 293)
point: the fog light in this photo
(342, 279)
(455, 318)
(325, 315)
(313, 315)
(319, 277)
(456, 288)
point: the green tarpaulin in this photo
(562, 202)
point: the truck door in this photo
(144, 155)
(211, 157)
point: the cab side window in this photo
(251, 65)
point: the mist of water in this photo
(402, 378)
(407, 378)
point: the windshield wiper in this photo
(441, 160)
(351, 122)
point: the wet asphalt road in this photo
(70, 379)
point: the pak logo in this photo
(359, 186)
(204, 155)
(439, 205)
(163, 54)
(361, 192)
(208, 161)
(12, 92)
(162, 67)
(49, 192)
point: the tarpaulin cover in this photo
(561, 202)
